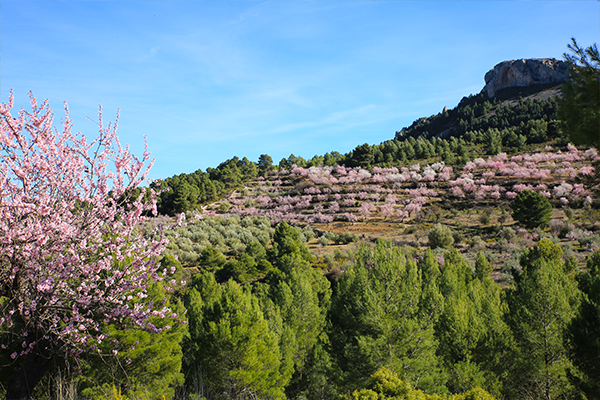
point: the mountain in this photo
(520, 112)
(535, 73)
(531, 80)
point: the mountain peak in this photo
(524, 72)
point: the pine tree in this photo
(542, 305)
(236, 352)
(583, 333)
(288, 251)
(376, 320)
(531, 209)
(483, 268)
(301, 300)
(471, 330)
(579, 107)
(146, 365)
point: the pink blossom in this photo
(402, 214)
(562, 190)
(374, 197)
(590, 154)
(519, 187)
(586, 170)
(445, 174)
(470, 166)
(350, 217)
(71, 210)
(572, 148)
(348, 202)
(456, 191)
(334, 207)
(365, 209)
(379, 179)
(387, 210)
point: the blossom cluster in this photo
(71, 256)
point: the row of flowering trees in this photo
(326, 193)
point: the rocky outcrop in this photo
(526, 72)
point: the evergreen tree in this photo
(185, 198)
(265, 163)
(147, 365)
(483, 268)
(362, 156)
(583, 333)
(531, 209)
(376, 321)
(493, 141)
(542, 305)
(288, 251)
(471, 330)
(579, 107)
(236, 353)
(302, 301)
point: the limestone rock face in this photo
(526, 72)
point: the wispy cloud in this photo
(150, 54)
(347, 118)
(251, 12)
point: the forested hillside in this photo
(458, 260)
(476, 127)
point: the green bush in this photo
(485, 217)
(440, 236)
(507, 233)
(324, 241)
(531, 209)
(346, 237)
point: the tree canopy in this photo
(71, 259)
(579, 107)
(531, 209)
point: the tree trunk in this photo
(34, 367)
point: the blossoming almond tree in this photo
(71, 261)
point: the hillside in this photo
(458, 260)
(456, 295)
(460, 168)
(403, 204)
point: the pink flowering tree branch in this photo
(71, 257)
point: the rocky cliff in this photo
(523, 73)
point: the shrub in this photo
(308, 233)
(531, 209)
(225, 206)
(347, 237)
(331, 236)
(484, 218)
(440, 236)
(507, 233)
(324, 241)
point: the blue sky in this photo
(209, 80)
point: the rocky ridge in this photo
(524, 73)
